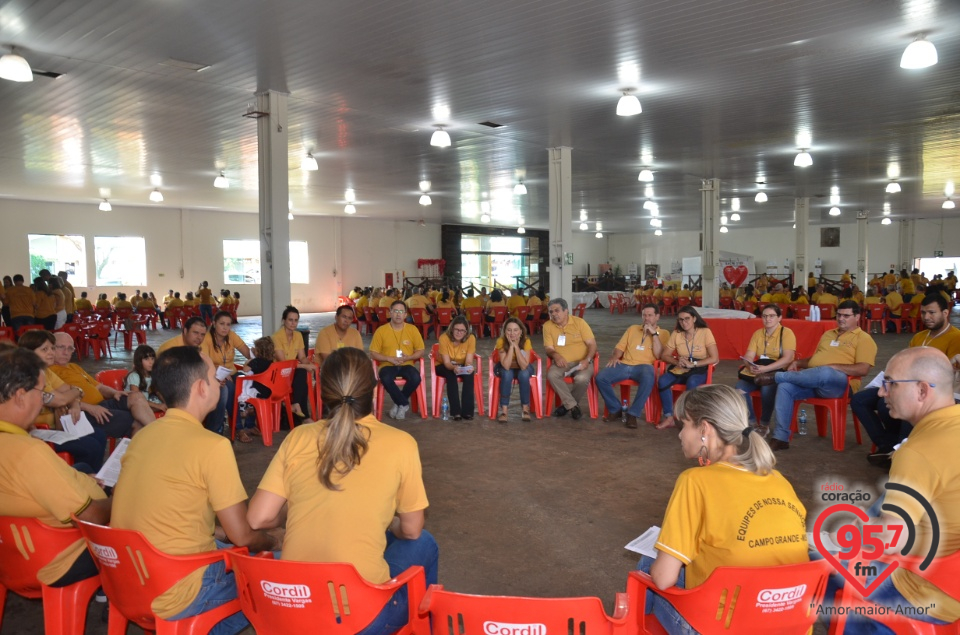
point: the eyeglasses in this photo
(686, 319)
(398, 312)
(845, 316)
(460, 330)
(61, 347)
(769, 315)
(887, 382)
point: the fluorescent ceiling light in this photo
(761, 197)
(723, 229)
(105, 206)
(156, 196)
(424, 186)
(289, 215)
(15, 68)
(645, 175)
(628, 105)
(658, 232)
(649, 205)
(893, 187)
(520, 189)
(221, 182)
(735, 217)
(803, 160)
(425, 199)
(350, 196)
(886, 221)
(583, 214)
(648, 191)
(834, 211)
(735, 204)
(485, 218)
(919, 54)
(948, 204)
(599, 234)
(723, 219)
(948, 189)
(440, 138)
(584, 227)
(349, 208)
(309, 163)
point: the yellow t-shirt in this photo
(948, 341)
(417, 302)
(907, 286)
(770, 347)
(461, 353)
(136, 300)
(174, 303)
(446, 305)
(386, 301)
(467, 303)
(846, 278)
(288, 348)
(488, 309)
(927, 462)
(387, 341)
(868, 300)
(146, 304)
(123, 304)
(726, 516)
(353, 295)
(683, 293)
(801, 299)
(501, 345)
(83, 304)
(222, 355)
(657, 294)
(918, 298)
(171, 343)
(576, 334)
(362, 302)
(637, 346)
(175, 476)
(74, 375)
(328, 340)
(36, 483)
(827, 298)
(893, 301)
(890, 278)
(348, 525)
(104, 304)
(69, 298)
(46, 305)
(514, 302)
(205, 296)
(852, 347)
(694, 349)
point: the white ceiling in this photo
(726, 85)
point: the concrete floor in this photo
(543, 508)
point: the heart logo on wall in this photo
(735, 275)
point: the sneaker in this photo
(560, 412)
(576, 413)
(393, 412)
(402, 412)
(631, 422)
(100, 596)
(776, 445)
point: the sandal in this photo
(667, 422)
(502, 417)
(525, 415)
(255, 431)
(244, 437)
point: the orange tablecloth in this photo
(733, 336)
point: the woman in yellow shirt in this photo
(514, 349)
(771, 349)
(46, 309)
(456, 363)
(206, 301)
(690, 351)
(290, 345)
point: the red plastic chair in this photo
(494, 385)
(682, 302)
(444, 318)
(97, 339)
(134, 573)
(676, 389)
(438, 384)
(75, 331)
(698, 300)
(551, 400)
(909, 316)
(800, 311)
(284, 596)
(451, 612)
(279, 380)
(418, 400)
(175, 317)
(579, 309)
(28, 327)
(827, 312)
(137, 328)
(423, 321)
(26, 546)
(750, 306)
(615, 303)
(151, 315)
(779, 600)
(837, 409)
(383, 314)
(499, 317)
(651, 407)
(872, 315)
(475, 317)
(726, 303)
(6, 333)
(942, 573)
(369, 320)
(669, 306)
(113, 378)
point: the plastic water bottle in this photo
(802, 422)
(623, 412)
(445, 410)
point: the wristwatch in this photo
(79, 390)
(694, 363)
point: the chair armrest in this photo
(416, 581)
(621, 607)
(424, 607)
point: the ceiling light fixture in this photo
(105, 206)
(648, 191)
(425, 199)
(834, 211)
(920, 53)
(424, 186)
(723, 229)
(15, 68)
(629, 104)
(156, 196)
(600, 234)
(440, 138)
(761, 197)
(948, 204)
(834, 195)
(584, 227)
(735, 204)
(656, 222)
(221, 182)
(645, 175)
(289, 215)
(803, 160)
(583, 214)
(349, 208)
(658, 232)
(893, 187)
(309, 163)
(734, 217)
(723, 219)
(655, 211)
(521, 230)
(485, 218)
(350, 196)
(649, 205)
(886, 221)
(520, 189)
(948, 189)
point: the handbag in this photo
(762, 362)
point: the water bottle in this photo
(802, 422)
(445, 410)
(623, 412)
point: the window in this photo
(486, 260)
(241, 262)
(121, 261)
(58, 253)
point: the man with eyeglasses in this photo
(571, 346)
(871, 409)
(397, 346)
(846, 351)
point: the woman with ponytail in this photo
(350, 489)
(720, 513)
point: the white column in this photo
(906, 244)
(862, 266)
(274, 198)
(710, 256)
(801, 212)
(561, 224)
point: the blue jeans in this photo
(692, 381)
(218, 588)
(206, 312)
(822, 381)
(641, 373)
(872, 412)
(410, 374)
(767, 395)
(669, 618)
(214, 420)
(87, 451)
(507, 375)
(400, 556)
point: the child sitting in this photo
(263, 352)
(139, 379)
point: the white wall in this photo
(358, 250)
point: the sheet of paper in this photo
(876, 381)
(110, 471)
(53, 436)
(574, 368)
(79, 429)
(222, 373)
(643, 544)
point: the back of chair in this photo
(133, 572)
(462, 614)
(112, 378)
(280, 380)
(475, 316)
(383, 314)
(445, 316)
(26, 546)
(284, 596)
(579, 309)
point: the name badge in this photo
(399, 352)
(764, 357)
(562, 340)
(641, 348)
(835, 343)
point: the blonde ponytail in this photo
(346, 387)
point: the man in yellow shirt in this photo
(825, 297)
(136, 299)
(355, 293)
(173, 303)
(684, 292)
(571, 346)
(192, 335)
(893, 300)
(950, 282)
(178, 478)
(82, 303)
(22, 301)
(633, 358)
(396, 346)
(122, 302)
(167, 298)
(844, 352)
(515, 301)
(470, 301)
(340, 334)
(392, 295)
(890, 279)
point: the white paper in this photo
(464, 370)
(58, 437)
(110, 471)
(222, 373)
(875, 382)
(574, 369)
(644, 543)
(79, 429)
